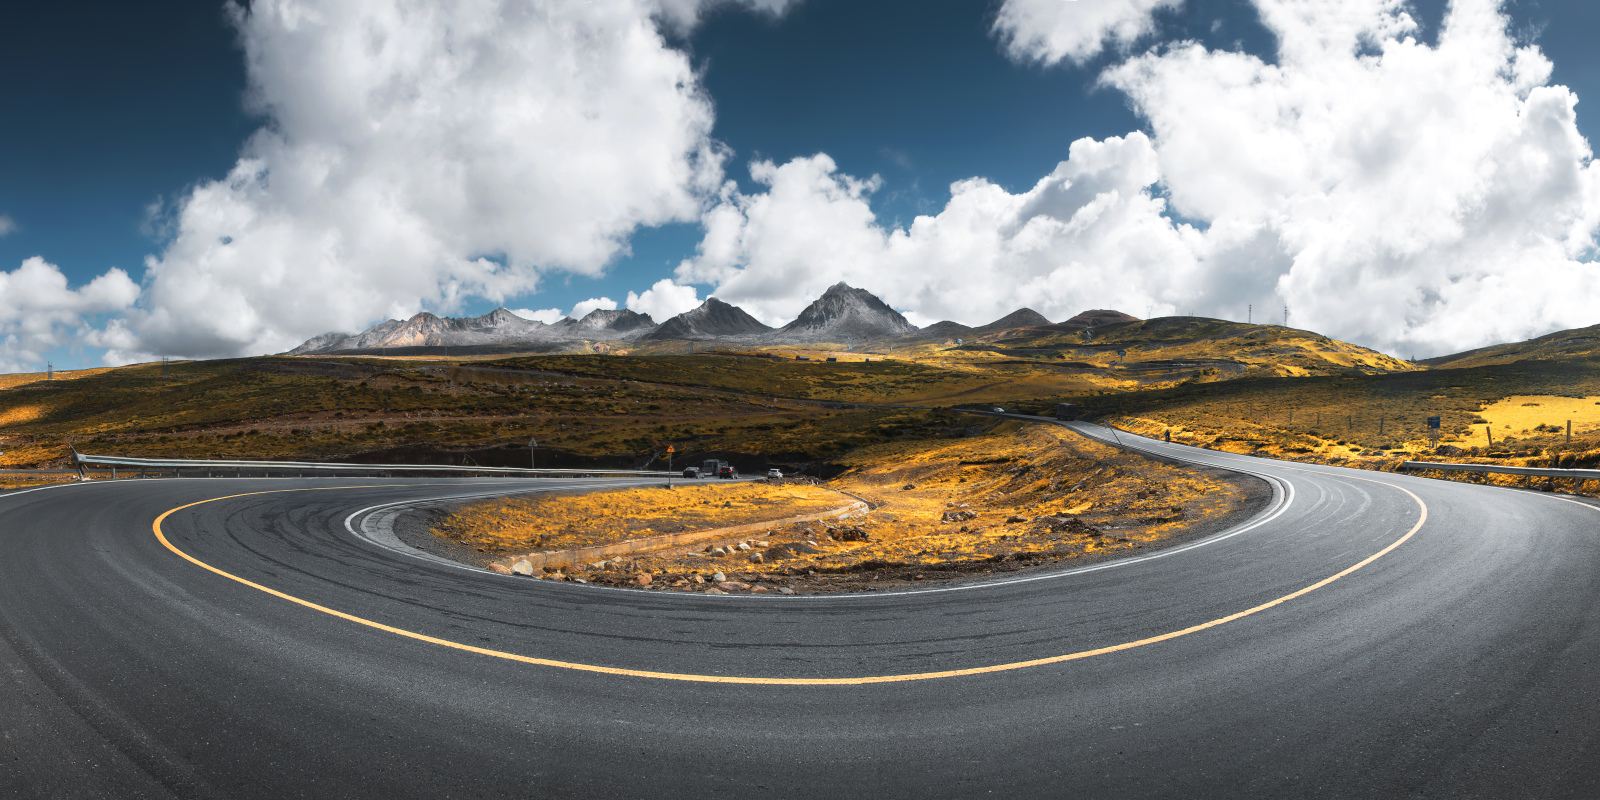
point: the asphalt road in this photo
(1369, 635)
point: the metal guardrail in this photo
(1496, 469)
(195, 466)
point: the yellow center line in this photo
(765, 680)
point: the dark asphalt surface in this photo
(1460, 664)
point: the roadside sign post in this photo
(1433, 431)
(670, 451)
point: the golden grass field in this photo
(558, 521)
(1017, 495)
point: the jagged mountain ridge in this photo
(843, 314)
(498, 327)
(712, 319)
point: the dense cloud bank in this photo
(1417, 194)
(1421, 198)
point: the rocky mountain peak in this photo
(710, 319)
(847, 314)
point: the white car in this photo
(999, 410)
(774, 473)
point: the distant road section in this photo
(1367, 635)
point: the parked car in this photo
(774, 473)
(692, 472)
(727, 471)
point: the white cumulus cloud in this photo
(1091, 232)
(1050, 31)
(663, 300)
(583, 307)
(545, 315)
(419, 153)
(1421, 198)
(1424, 198)
(39, 309)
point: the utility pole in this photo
(532, 443)
(1250, 314)
(1285, 316)
(1488, 433)
(1569, 433)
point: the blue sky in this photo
(130, 106)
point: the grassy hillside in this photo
(1521, 407)
(619, 410)
(1580, 343)
(377, 410)
(1232, 349)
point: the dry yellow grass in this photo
(20, 414)
(1528, 415)
(554, 522)
(10, 481)
(13, 379)
(1023, 494)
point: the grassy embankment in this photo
(1377, 421)
(1013, 496)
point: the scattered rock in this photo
(735, 586)
(908, 487)
(758, 590)
(718, 551)
(719, 578)
(744, 545)
(600, 565)
(499, 568)
(957, 516)
(785, 590)
(1014, 518)
(812, 543)
(644, 579)
(789, 549)
(714, 590)
(851, 534)
(522, 566)
(756, 558)
(762, 544)
(698, 580)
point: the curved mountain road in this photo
(1367, 635)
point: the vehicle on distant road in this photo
(998, 410)
(691, 472)
(727, 471)
(774, 473)
(712, 467)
